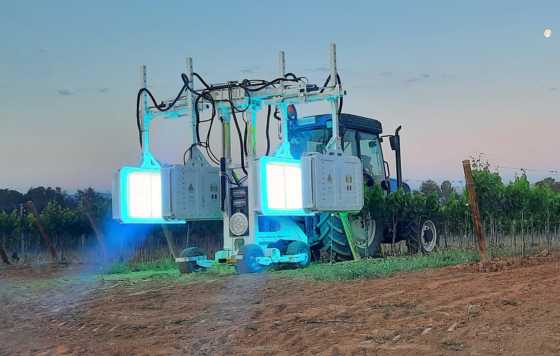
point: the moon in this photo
(547, 33)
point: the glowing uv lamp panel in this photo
(280, 187)
(137, 196)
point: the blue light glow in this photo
(140, 196)
(280, 186)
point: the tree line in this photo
(516, 212)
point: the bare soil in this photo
(509, 307)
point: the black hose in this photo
(240, 140)
(268, 129)
(161, 107)
(341, 102)
(245, 140)
(325, 84)
(276, 112)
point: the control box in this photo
(191, 191)
(239, 211)
(332, 182)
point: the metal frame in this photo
(281, 97)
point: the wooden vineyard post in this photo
(42, 231)
(169, 238)
(98, 233)
(4, 255)
(475, 213)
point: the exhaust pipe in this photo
(395, 142)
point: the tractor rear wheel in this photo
(367, 233)
(420, 238)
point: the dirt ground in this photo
(511, 308)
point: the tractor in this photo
(361, 137)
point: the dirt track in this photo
(451, 311)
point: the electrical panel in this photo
(332, 182)
(190, 192)
(239, 211)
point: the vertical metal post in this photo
(333, 64)
(281, 64)
(335, 139)
(144, 116)
(226, 135)
(282, 108)
(252, 170)
(190, 99)
(226, 154)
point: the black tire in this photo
(191, 266)
(249, 264)
(297, 247)
(368, 235)
(334, 242)
(420, 238)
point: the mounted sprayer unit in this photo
(263, 199)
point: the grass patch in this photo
(377, 268)
(162, 265)
(163, 270)
(367, 268)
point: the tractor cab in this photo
(360, 137)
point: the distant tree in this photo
(41, 197)
(446, 190)
(549, 182)
(8, 225)
(94, 203)
(10, 199)
(429, 186)
(53, 219)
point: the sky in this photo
(462, 78)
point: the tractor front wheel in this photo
(299, 247)
(421, 238)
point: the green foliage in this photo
(128, 267)
(430, 187)
(164, 268)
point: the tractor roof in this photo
(349, 121)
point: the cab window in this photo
(349, 144)
(370, 154)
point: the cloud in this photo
(249, 70)
(386, 74)
(412, 80)
(422, 77)
(553, 89)
(65, 92)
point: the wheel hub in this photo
(363, 231)
(428, 236)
